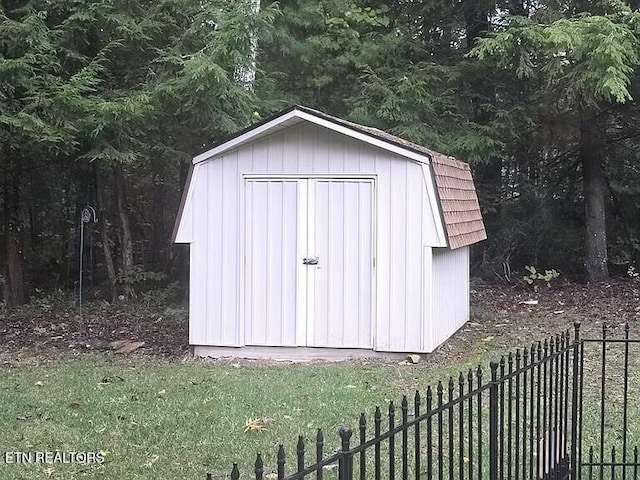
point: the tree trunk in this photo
(125, 228)
(487, 172)
(14, 290)
(476, 19)
(245, 74)
(591, 152)
(159, 244)
(518, 7)
(104, 235)
(15, 279)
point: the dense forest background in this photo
(104, 103)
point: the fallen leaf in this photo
(129, 347)
(112, 379)
(116, 344)
(257, 424)
(74, 405)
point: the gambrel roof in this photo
(454, 187)
(458, 201)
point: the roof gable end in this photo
(298, 114)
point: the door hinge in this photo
(374, 262)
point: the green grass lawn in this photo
(178, 420)
(162, 418)
(157, 418)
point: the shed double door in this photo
(308, 273)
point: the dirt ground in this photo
(503, 317)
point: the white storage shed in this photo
(315, 237)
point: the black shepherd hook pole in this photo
(88, 214)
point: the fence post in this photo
(345, 464)
(280, 461)
(259, 467)
(574, 467)
(493, 422)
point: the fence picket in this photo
(461, 428)
(494, 439)
(429, 434)
(470, 425)
(300, 453)
(625, 398)
(345, 465)
(509, 413)
(450, 427)
(440, 434)
(534, 405)
(479, 412)
(377, 423)
(319, 452)
(363, 438)
(280, 462)
(392, 442)
(416, 436)
(259, 467)
(405, 439)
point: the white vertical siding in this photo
(413, 258)
(450, 308)
(383, 254)
(199, 252)
(342, 222)
(427, 299)
(403, 225)
(270, 248)
(230, 251)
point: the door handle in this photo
(310, 261)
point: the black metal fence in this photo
(523, 420)
(607, 436)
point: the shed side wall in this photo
(450, 293)
(402, 205)
(198, 253)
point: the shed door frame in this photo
(304, 308)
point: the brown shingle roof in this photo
(372, 131)
(458, 201)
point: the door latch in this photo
(310, 261)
